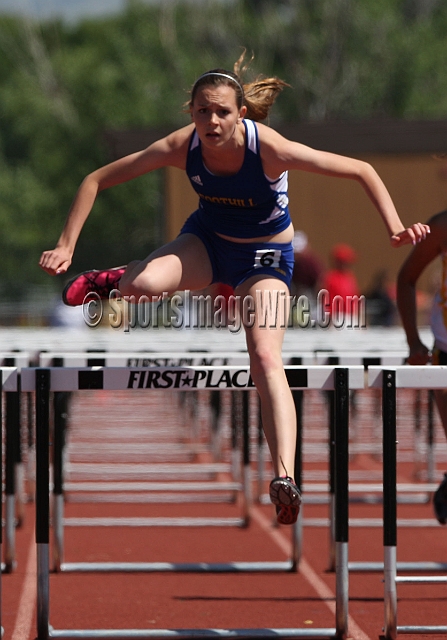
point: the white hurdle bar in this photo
(389, 380)
(235, 378)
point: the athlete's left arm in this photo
(279, 154)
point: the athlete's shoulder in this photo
(172, 149)
(268, 134)
(272, 144)
(276, 151)
(180, 137)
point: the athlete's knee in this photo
(139, 280)
(264, 363)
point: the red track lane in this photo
(306, 599)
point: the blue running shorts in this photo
(235, 262)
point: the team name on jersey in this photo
(232, 202)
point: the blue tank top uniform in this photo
(244, 205)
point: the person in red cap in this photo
(340, 280)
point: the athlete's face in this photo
(216, 114)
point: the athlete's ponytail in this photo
(258, 95)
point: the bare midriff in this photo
(282, 237)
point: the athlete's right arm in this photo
(416, 262)
(169, 151)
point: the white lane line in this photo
(27, 603)
(320, 587)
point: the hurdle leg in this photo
(235, 427)
(31, 454)
(331, 401)
(60, 404)
(246, 472)
(431, 470)
(42, 501)
(297, 529)
(12, 426)
(15, 514)
(417, 447)
(341, 502)
(19, 469)
(261, 460)
(389, 501)
(20, 493)
(215, 415)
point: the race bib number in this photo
(267, 258)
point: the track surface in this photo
(268, 600)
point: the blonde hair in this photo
(258, 95)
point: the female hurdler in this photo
(240, 235)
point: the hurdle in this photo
(235, 378)
(389, 380)
(14, 467)
(17, 482)
(199, 357)
(407, 493)
(408, 379)
(391, 358)
(314, 491)
(151, 359)
(151, 489)
(240, 422)
(8, 385)
(58, 502)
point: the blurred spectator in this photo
(308, 269)
(380, 307)
(340, 280)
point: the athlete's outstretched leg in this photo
(265, 336)
(179, 265)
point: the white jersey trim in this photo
(195, 140)
(252, 142)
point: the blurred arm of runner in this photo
(279, 154)
(169, 151)
(420, 257)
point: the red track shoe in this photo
(95, 281)
(286, 496)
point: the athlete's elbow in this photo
(364, 172)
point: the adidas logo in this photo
(197, 180)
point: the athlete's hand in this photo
(419, 354)
(56, 261)
(412, 235)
